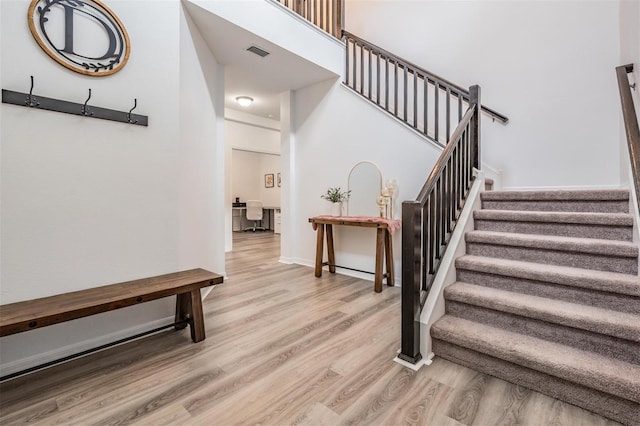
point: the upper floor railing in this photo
(630, 122)
(431, 105)
(429, 221)
(325, 14)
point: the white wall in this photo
(250, 137)
(630, 43)
(289, 212)
(248, 176)
(334, 129)
(202, 161)
(547, 65)
(630, 36)
(88, 202)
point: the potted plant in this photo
(336, 196)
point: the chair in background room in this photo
(254, 212)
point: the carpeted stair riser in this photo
(578, 230)
(617, 324)
(488, 184)
(558, 206)
(606, 300)
(602, 255)
(597, 201)
(604, 345)
(587, 253)
(616, 408)
(612, 376)
(623, 265)
(618, 292)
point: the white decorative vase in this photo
(336, 209)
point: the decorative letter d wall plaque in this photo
(83, 35)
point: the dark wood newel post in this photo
(474, 99)
(411, 284)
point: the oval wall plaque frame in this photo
(53, 25)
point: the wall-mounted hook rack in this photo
(67, 107)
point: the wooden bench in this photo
(31, 314)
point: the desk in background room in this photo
(270, 218)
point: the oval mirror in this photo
(365, 184)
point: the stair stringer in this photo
(633, 210)
(433, 308)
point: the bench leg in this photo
(182, 310)
(189, 306)
(197, 316)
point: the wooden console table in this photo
(384, 245)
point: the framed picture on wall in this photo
(279, 180)
(268, 181)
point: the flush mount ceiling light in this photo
(244, 101)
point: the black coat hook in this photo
(85, 110)
(135, 105)
(31, 100)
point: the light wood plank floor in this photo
(282, 347)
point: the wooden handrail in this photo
(444, 157)
(412, 68)
(630, 123)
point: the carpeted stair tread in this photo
(605, 226)
(613, 201)
(552, 242)
(612, 219)
(595, 371)
(597, 320)
(619, 409)
(558, 195)
(564, 275)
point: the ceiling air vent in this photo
(258, 51)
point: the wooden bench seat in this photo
(31, 314)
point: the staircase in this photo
(548, 297)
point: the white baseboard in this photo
(418, 365)
(286, 260)
(41, 358)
